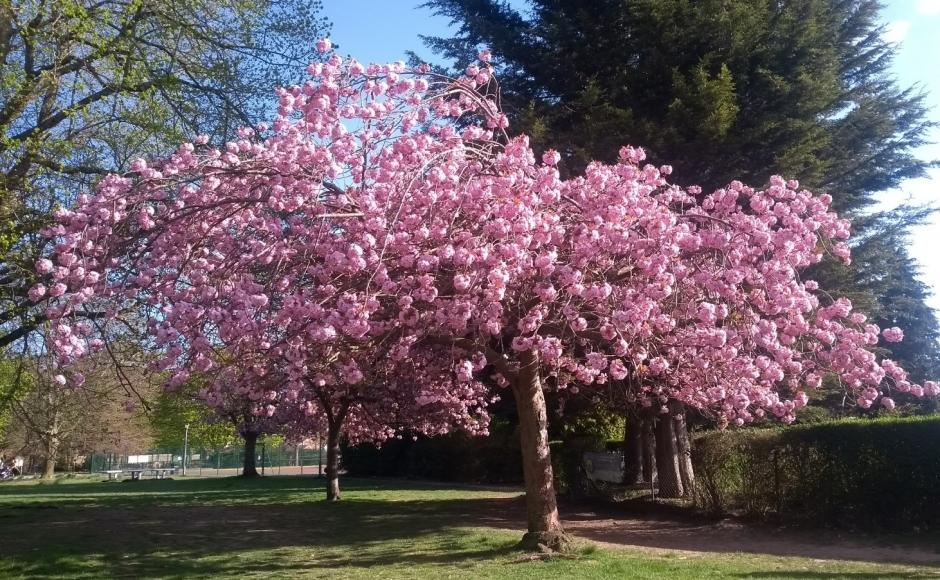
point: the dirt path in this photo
(657, 534)
(612, 526)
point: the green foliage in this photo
(873, 474)
(271, 440)
(594, 422)
(15, 385)
(172, 411)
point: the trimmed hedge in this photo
(872, 474)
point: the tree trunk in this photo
(544, 525)
(633, 449)
(250, 469)
(684, 447)
(667, 458)
(51, 449)
(332, 463)
(649, 448)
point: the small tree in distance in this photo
(387, 241)
(173, 410)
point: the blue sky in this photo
(915, 26)
(384, 30)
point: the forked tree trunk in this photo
(684, 447)
(332, 463)
(544, 525)
(667, 458)
(632, 449)
(249, 468)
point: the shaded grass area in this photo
(279, 527)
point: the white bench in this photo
(156, 472)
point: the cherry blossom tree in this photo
(385, 242)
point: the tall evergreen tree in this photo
(724, 89)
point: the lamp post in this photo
(185, 446)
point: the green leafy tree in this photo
(88, 85)
(172, 411)
(15, 384)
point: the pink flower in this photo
(551, 157)
(618, 370)
(893, 334)
(658, 365)
(37, 292)
(800, 400)
(887, 403)
(324, 45)
(461, 282)
(44, 266)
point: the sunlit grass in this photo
(281, 527)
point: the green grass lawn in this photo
(280, 527)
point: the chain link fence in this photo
(270, 460)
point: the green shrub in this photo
(857, 473)
(595, 423)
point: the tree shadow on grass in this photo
(94, 533)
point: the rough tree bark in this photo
(544, 525)
(51, 451)
(667, 458)
(633, 449)
(683, 446)
(51, 440)
(249, 468)
(332, 462)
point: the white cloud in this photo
(896, 31)
(928, 7)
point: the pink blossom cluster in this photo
(375, 256)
